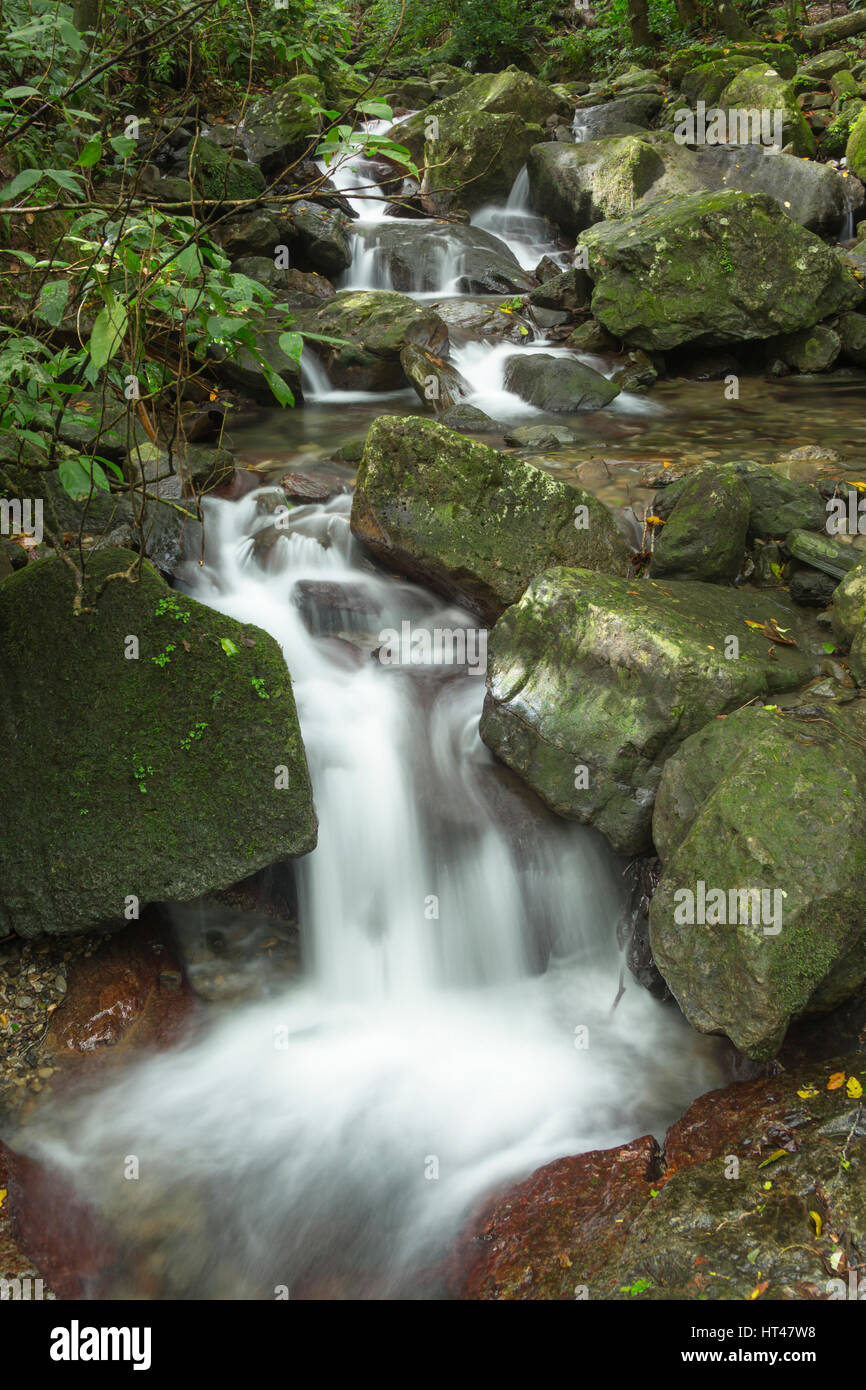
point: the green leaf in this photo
(52, 301)
(25, 179)
(108, 331)
(91, 153)
(228, 646)
(829, 646)
(75, 477)
(380, 110)
(280, 390)
(21, 92)
(124, 145)
(292, 345)
(70, 182)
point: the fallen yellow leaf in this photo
(818, 1222)
(807, 1093)
(854, 1088)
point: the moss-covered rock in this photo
(849, 619)
(317, 238)
(374, 326)
(610, 676)
(761, 88)
(471, 522)
(745, 805)
(811, 350)
(280, 127)
(777, 505)
(713, 269)
(855, 149)
(781, 56)
(852, 334)
(705, 535)
(162, 768)
(217, 175)
(474, 142)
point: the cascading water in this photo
(459, 943)
(425, 1059)
(525, 233)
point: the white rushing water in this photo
(427, 1058)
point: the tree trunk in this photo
(85, 14)
(841, 28)
(731, 22)
(688, 12)
(638, 21)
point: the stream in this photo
(454, 1026)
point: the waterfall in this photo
(427, 1059)
(527, 235)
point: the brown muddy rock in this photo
(548, 1237)
(49, 1231)
(129, 996)
(758, 1193)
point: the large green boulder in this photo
(373, 327)
(578, 185)
(777, 505)
(778, 55)
(855, 150)
(761, 89)
(217, 175)
(163, 767)
(474, 143)
(705, 535)
(769, 802)
(281, 127)
(594, 681)
(713, 269)
(470, 521)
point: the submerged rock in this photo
(471, 522)
(436, 382)
(712, 269)
(745, 805)
(200, 719)
(594, 681)
(422, 256)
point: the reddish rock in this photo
(129, 996)
(742, 1119)
(49, 1229)
(546, 1237)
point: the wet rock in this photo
(558, 383)
(822, 552)
(281, 126)
(473, 523)
(810, 587)
(218, 174)
(201, 468)
(436, 382)
(566, 292)
(468, 417)
(376, 325)
(330, 608)
(717, 249)
(549, 1236)
(118, 823)
(852, 335)
(849, 619)
(610, 675)
(296, 288)
(421, 256)
(477, 320)
(811, 350)
(591, 337)
(705, 534)
(622, 116)
(313, 487)
(741, 806)
(540, 436)
(638, 374)
(317, 238)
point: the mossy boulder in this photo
(852, 334)
(811, 350)
(745, 804)
(705, 535)
(849, 619)
(706, 81)
(471, 522)
(610, 676)
(855, 149)
(317, 238)
(578, 185)
(781, 56)
(280, 127)
(162, 768)
(777, 505)
(761, 88)
(217, 175)
(474, 142)
(712, 269)
(374, 326)
(837, 134)
(412, 255)
(623, 116)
